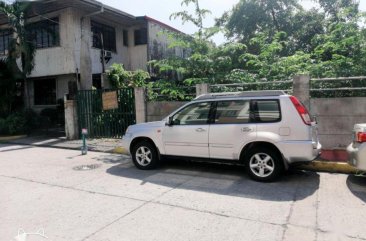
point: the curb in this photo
(120, 150)
(332, 167)
(11, 138)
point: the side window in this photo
(195, 114)
(267, 111)
(232, 112)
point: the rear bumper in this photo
(357, 156)
(300, 151)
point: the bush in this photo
(3, 127)
(16, 123)
(21, 122)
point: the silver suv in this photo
(357, 149)
(264, 130)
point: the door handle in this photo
(200, 130)
(246, 129)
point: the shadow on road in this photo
(222, 179)
(9, 148)
(357, 185)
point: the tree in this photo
(121, 78)
(197, 18)
(250, 17)
(333, 7)
(20, 46)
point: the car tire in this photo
(145, 156)
(264, 165)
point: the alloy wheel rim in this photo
(261, 164)
(143, 156)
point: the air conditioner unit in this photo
(107, 55)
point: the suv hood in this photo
(149, 124)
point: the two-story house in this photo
(70, 35)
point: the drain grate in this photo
(86, 167)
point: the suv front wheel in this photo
(145, 156)
(264, 164)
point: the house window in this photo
(97, 81)
(125, 38)
(45, 34)
(141, 36)
(5, 38)
(108, 33)
(44, 92)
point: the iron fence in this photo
(338, 87)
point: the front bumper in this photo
(126, 142)
(357, 155)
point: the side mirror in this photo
(170, 121)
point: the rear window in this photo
(232, 112)
(267, 111)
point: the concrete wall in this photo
(158, 110)
(120, 56)
(60, 60)
(159, 43)
(336, 118)
(137, 54)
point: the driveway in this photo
(41, 188)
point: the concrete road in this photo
(40, 189)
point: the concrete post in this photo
(202, 89)
(140, 104)
(71, 120)
(301, 89)
(85, 59)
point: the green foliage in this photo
(169, 90)
(271, 40)
(20, 47)
(196, 19)
(21, 50)
(21, 122)
(121, 78)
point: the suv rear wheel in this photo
(145, 156)
(264, 164)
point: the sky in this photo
(162, 9)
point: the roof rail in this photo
(241, 94)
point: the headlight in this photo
(127, 130)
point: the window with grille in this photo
(141, 36)
(44, 91)
(107, 33)
(46, 33)
(5, 38)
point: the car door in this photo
(187, 134)
(231, 128)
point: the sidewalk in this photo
(99, 145)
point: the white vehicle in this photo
(264, 130)
(357, 149)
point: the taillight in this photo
(301, 109)
(361, 137)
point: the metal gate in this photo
(105, 123)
